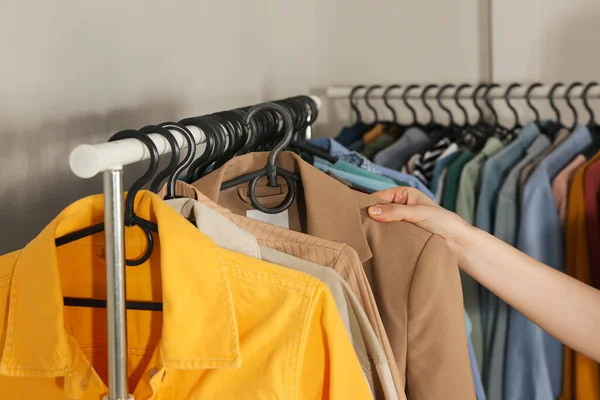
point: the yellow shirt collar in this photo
(199, 326)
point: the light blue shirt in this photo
(505, 228)
(338, 150)
(534, 359)
(479, 391)
(494, 172)
(365, 182)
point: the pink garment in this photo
(561, 185)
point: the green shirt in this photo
(377, 145)
(453, 178)
(468, 187)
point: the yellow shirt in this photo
(233, 327)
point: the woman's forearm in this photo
(564, 307)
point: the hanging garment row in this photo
(534, 184)
(253, 272)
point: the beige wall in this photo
(74, 72)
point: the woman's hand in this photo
(564, 307)
(411, 205)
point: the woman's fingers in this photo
(404, 195)
(398, 212)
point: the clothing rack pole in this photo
(115, 284)
(343, 92)
(86, 161)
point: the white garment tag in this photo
(281, 220)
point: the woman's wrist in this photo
(463, 240)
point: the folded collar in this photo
(199, 326)
(326, 199)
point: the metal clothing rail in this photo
(109, 158)
(542, 92)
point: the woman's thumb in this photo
(395, 212)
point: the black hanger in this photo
(536, 113)
(235, 121)
(442, 106)
(476, 134)
(466, 132)
(271, 171)
(480, 120)
(130, 220)
(232, 140)
(300, 115)
(441, 131)
(517, 125)
(584, 95)
(172, 166)
(593, 127)
(308, 111)
(497, 129)
(213, 145)
(570, 103)
(456, 96)
(488, 103)
(415, 121)
(553, 105)
(368, 103)
(547, 128)
(431, 122)
(353, 107)
(188, 159)
(387, 102)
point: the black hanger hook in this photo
(486, 97)
(570, 103)
(172, 166)
(427, 106)
(189, 157)
(474, 98)
(552, 103)
(130, 218)
(353, 103)
(586, 104)
(404, 98)
(289, 131)
(386, 101)
(442, 106)
(530, 104)
(510, 88)
(373, 109)
(271, 169)
(459, 105)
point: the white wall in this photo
(546, 41)
(75, 72)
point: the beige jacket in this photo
(413, 274)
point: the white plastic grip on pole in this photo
(88, 160)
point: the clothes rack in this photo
(542, 92)
(86, 161)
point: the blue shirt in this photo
(494, 172)
(479, 391)
(337, 150)
(351, 134)
(534, 359)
